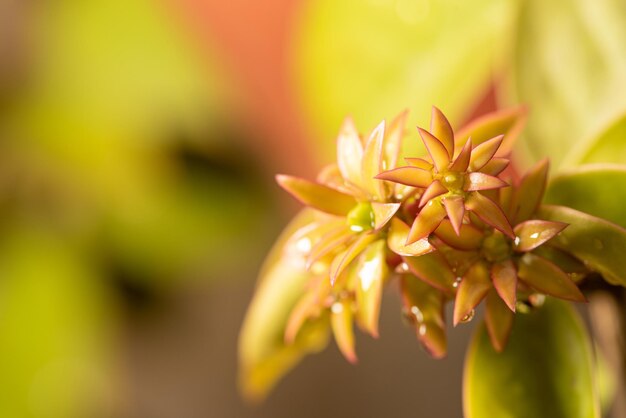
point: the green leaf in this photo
(582, 85)
(598, 243)
(380, 57)
(597, 189)
(263, 356)
(545, 371)
(608, 147)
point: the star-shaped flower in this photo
(451, 180)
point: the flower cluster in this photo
(453, 225)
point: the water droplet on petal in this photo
(469, 316)
(534, 235)
(402, 268)
(422, 329)
(537, 299)
(457, 281)
(337, 308)
(517, 241)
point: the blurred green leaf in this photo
(263, 356)
(569, 67)
(381, 57)
(598, 243)
(596, 189)
(56, 341)
(546, 369)
(608, 147)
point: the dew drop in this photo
(469, 316)
(534, 235)
(517, 241)
(422, 329)
(456, 283)
(537, 299)
(337, 308)
(413, 315)
(402, 268)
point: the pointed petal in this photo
(350, 152)
(495, 166)
(499, 320)
(330, 241)
(436, 149)
(433, 269)
(341, 261)
(427, 220)
(383, 212)
(441, 129)
(530, 191)
(531, 234)
(482, 153)
(508, 122)
(469, 237)
(371, 272)
(461, 163)
(489, 213)
(410, 176)
(392, 143)
(472, 289)
(480, 181)
(317, 195)
(396, 240)
(547, 278)
(341, 323)
(504, 278)
(372, 164)
(435, 189)
(424, 307)
(419, 163)
(455, 208)
(305, 308)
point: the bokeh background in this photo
(138, 144)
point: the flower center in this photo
(453, 181)
(361, 217)
(496, 247)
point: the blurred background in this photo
(138, 144)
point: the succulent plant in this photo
(456, 225)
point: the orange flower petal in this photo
(371, 273)
(472, 289)
(435, 189)
(341, 261)
(433, 269)
(531, 234)
(427, 220)
(436, 149)
(461, 163)
(480, 181)
(495, 166)
(469, 237)
(410, 176)
(424, 306)
(441, 129)
(383, 212)
(504, 278)
(392, 143)
(489, 213)
(317, 195)
(396, 240)
(419, 163)
(372, 163)
(482, 153)
(341, 323)
(499, 320)
(546, 277)
(455, 208)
